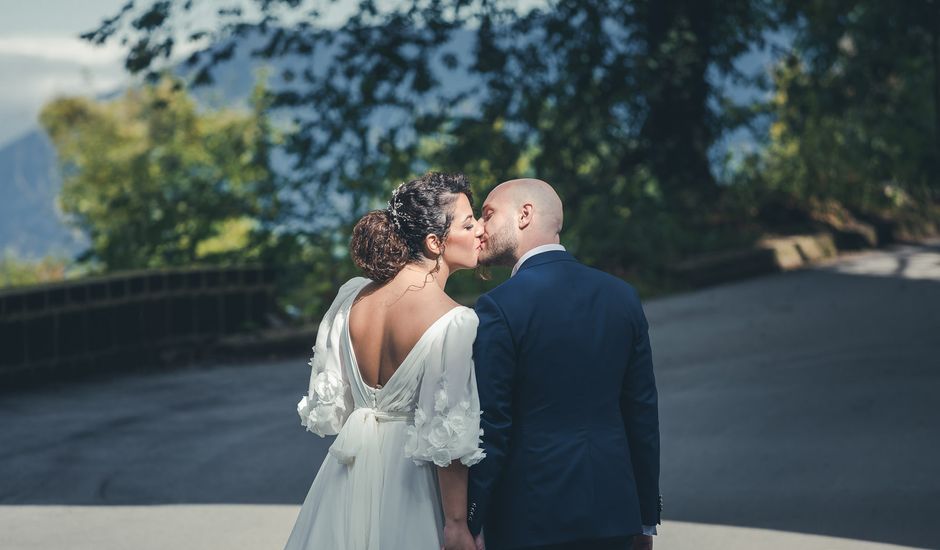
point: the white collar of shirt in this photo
(533, 252)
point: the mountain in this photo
(30, 224)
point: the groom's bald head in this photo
(519, 215)
(547, 211)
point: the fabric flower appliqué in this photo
(322, 409)
(449, 435)
(328, 387)
(440, 399)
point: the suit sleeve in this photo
(640, 410)
(495, 362)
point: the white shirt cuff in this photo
(649, 530)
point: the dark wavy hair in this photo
(384, 241)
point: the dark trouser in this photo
(615, 543)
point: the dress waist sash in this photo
(361, 426)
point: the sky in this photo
(41, 57)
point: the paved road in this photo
(798, 410)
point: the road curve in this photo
(800, 408)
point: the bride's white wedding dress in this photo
(377, 488)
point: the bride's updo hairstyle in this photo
(384, 241)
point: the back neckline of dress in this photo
(352, 350)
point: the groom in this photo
(565, 375)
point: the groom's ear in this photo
(525, 215)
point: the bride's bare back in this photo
(386, 322)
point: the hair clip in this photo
(393, 207)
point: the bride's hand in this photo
(457, 537)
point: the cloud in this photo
(60, 48)
(49, 66)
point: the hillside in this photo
(30, 223)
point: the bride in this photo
(392, 376)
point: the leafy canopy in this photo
(155, 182)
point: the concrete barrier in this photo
(769, 255)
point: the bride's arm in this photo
(446, 429)
(453, 482)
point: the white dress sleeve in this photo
(328, 402)
(447, 416)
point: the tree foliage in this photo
(611, 101)
(618, 103)
(856, 107)
(155, 182)
(15, 271)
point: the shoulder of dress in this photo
(350, 287)
(354, 284)
(457, 325)
(463, 318)
(465, 312)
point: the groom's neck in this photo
(526, 247)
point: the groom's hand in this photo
(642, 542)
(481, 544)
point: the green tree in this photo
(610, 101)
(15, 271)
(683, 40)
(857, 106)
(155, 182)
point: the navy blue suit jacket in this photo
(570, 417)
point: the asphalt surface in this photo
(797, 410)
